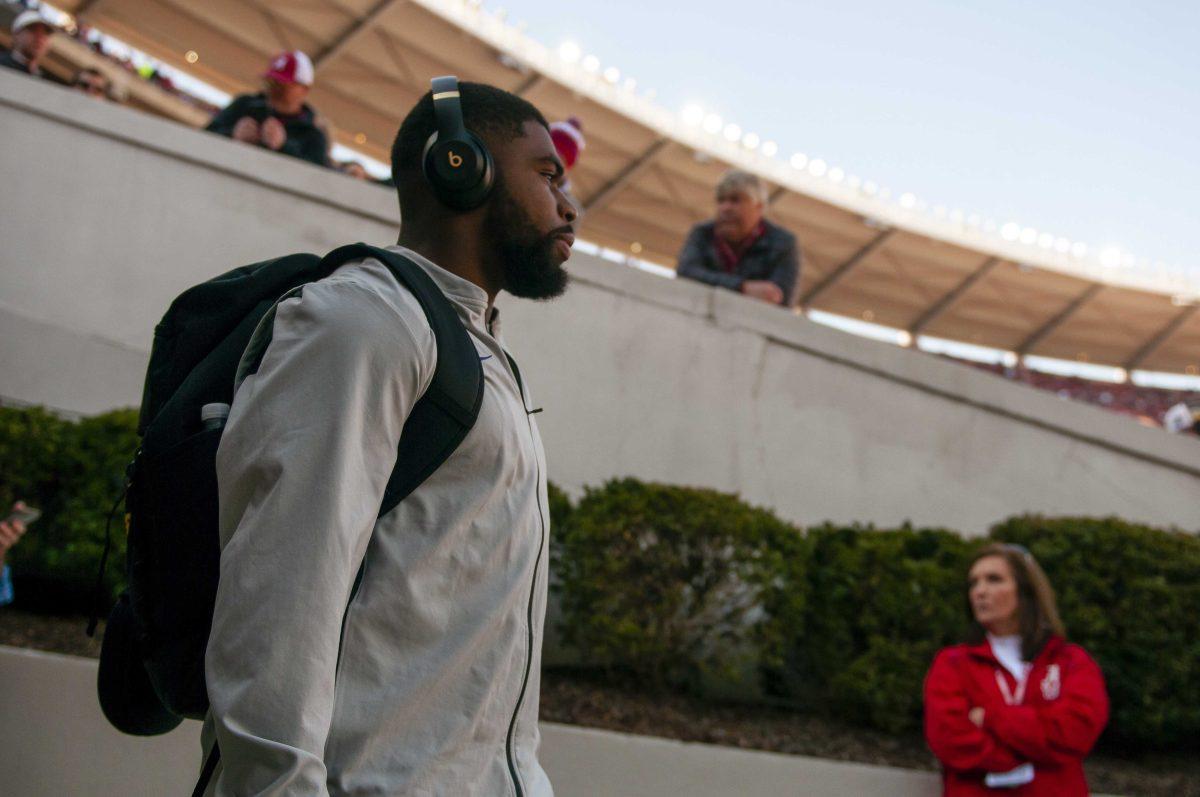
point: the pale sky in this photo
(1077, 118)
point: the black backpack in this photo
(152, 658)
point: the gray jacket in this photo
(774, 257)
(431, 685)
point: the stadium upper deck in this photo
(648, 175)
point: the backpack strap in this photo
(443, 416)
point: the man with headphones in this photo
(421, 674)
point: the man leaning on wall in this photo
(278, 118)
(31, 36)
(739, 249)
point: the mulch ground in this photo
(579, 699)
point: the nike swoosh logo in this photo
(488, 357)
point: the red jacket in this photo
(1053, 725)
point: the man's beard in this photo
(526, 257)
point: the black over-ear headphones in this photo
(455, 161)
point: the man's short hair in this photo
(746, 182)
(488, 112)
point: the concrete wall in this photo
(54, 741)
(116, 212)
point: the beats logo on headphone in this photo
(456, 163)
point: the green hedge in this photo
(695, 590)
(881, 605)
(74, 471)
(682, 587)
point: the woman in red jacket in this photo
(1017, 709)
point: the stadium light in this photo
(693, 115)
(1045, 240)
(732, 132)
(1028, 235)
(871, 188)
(799, 160)
(591, 64)
(1062, 245)
(750, 141)
(612, 74)
(569, 51)
(713, 123)
(908, 200)
(854, 181)
(1079, 249)
(769, 148)
(1010, 231)
(836, 174)
(817, 167)
(1110, 257)
(904, 338)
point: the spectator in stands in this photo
(30, 43)
(278, 117)
(91, 82)
(739, 249)
(1018, 706)
(11, 530)
(569, 143)
(1182, 418)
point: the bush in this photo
(678, 586)
(1130, 595)
(881, 604)
(74, 472)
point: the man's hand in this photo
(246, 129)
(763, 290)
(10, 532)
(273, 134)
(975, 715)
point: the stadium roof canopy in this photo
(648, 175)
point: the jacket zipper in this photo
(510, 743)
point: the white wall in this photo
(54, 741)
(115, 212)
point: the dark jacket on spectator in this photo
(305, 137)
(775, 257)
(12, 61)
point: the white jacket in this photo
(436, 690)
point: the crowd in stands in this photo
(738, 249)
(1149, 405)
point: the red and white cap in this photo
(568, 140)
(291, 67)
